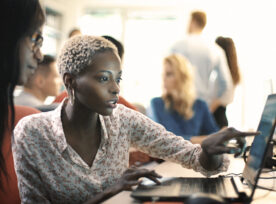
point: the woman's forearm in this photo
(100, 197)
(197, 139)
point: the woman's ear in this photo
(69, 80)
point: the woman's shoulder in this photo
(37, 120)
(38, 128)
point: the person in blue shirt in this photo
(178, 110)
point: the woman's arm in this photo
(31, 188)
(100, 197)
(214, 146)
(153, 139)
(198, 139)
(129, 178)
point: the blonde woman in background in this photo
(178, 110)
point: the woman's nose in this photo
(115, 88)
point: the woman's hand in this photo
(215, 144)
(131, 177)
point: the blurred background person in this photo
(20, 53)
(59, 98)
(178, 110)
(118, 44)
(228, 45)
(212, 76)
(44, 82)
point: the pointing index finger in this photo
(247, 134)
(242, 134)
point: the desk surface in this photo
(168, 169)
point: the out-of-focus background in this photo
(147, 28)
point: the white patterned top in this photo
(50, 171)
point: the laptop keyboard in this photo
(179, 188)
(205, 185)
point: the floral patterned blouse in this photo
(50, 171)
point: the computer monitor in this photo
(259, 148)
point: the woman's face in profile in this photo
(97, 88)
(29, 55)
(168, 77)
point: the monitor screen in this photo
(255, 160)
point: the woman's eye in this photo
(118, 80)
(103, 79)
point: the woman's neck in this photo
(82, 130)
(79, 117)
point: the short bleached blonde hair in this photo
(80, 51)
(182, 98)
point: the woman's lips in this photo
(112, 103)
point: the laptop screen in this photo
(260, 143)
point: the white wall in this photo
(70, 10)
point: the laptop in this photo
(230, 188)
